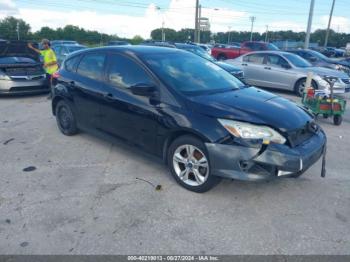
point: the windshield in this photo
(75, 48)
(16, 60)
(190, 74)
(318, 55)
(272, 47)
(297, 61)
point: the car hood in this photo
(17, 49)
(340, 62)
(322, 71)
(228, 67)
(252, 105)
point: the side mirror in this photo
(286, 66)
(143, 89)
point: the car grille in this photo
(28, 78)
(28, 88)
(34, 70)
(299, 136)
(346, 80)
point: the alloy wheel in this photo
(191, 165)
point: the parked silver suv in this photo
(283, 70)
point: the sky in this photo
(127, 18)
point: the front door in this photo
(125, 115)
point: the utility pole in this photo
(309, 23)
(163, 34)
(329, 24)
(252, 19)
(17, 29)
(196, 22)
(199, 22)
(229, 35)
(267, 31)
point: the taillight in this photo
(56, 75)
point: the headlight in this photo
(250, 131)
(3, 76)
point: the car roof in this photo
(71, 45)
(276, 52)
(134, 49)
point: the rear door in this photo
(88, 88)
(125, 115)
(252, 65)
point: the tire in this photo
(300, 86)
(222, 57)
(189, 164)
(65, 119)
(337, 119)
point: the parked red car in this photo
(222, 52)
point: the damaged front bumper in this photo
(251, 163)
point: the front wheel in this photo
(300, 86)
(189, 164)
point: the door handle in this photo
(268, 68)
(244, 64)
(108, 96)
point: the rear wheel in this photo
(65, 119)
(300, 86)
(337, 119)
(189, 164)
(222, 57)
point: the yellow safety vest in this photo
(49, 57)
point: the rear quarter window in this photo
(71, 64)
(91, 66)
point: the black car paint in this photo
(153, 122)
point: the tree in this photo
(8, 28)
(136, 40)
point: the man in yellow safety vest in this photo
(50, 60)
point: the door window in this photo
(275, 60)
(254, 58)
(124, 72)
(91, 66)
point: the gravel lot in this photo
(84, 198)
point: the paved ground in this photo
(84, 197)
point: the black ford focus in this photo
(200, 119)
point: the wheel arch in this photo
(304, 78)
(176, 134)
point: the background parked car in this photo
(235, 71)
(63, 42)
(21, 71)
(332, 52)
(117, 42)
(158, 43)
(283, 70)
(222, 52)
(318, 59)
(63, 50)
